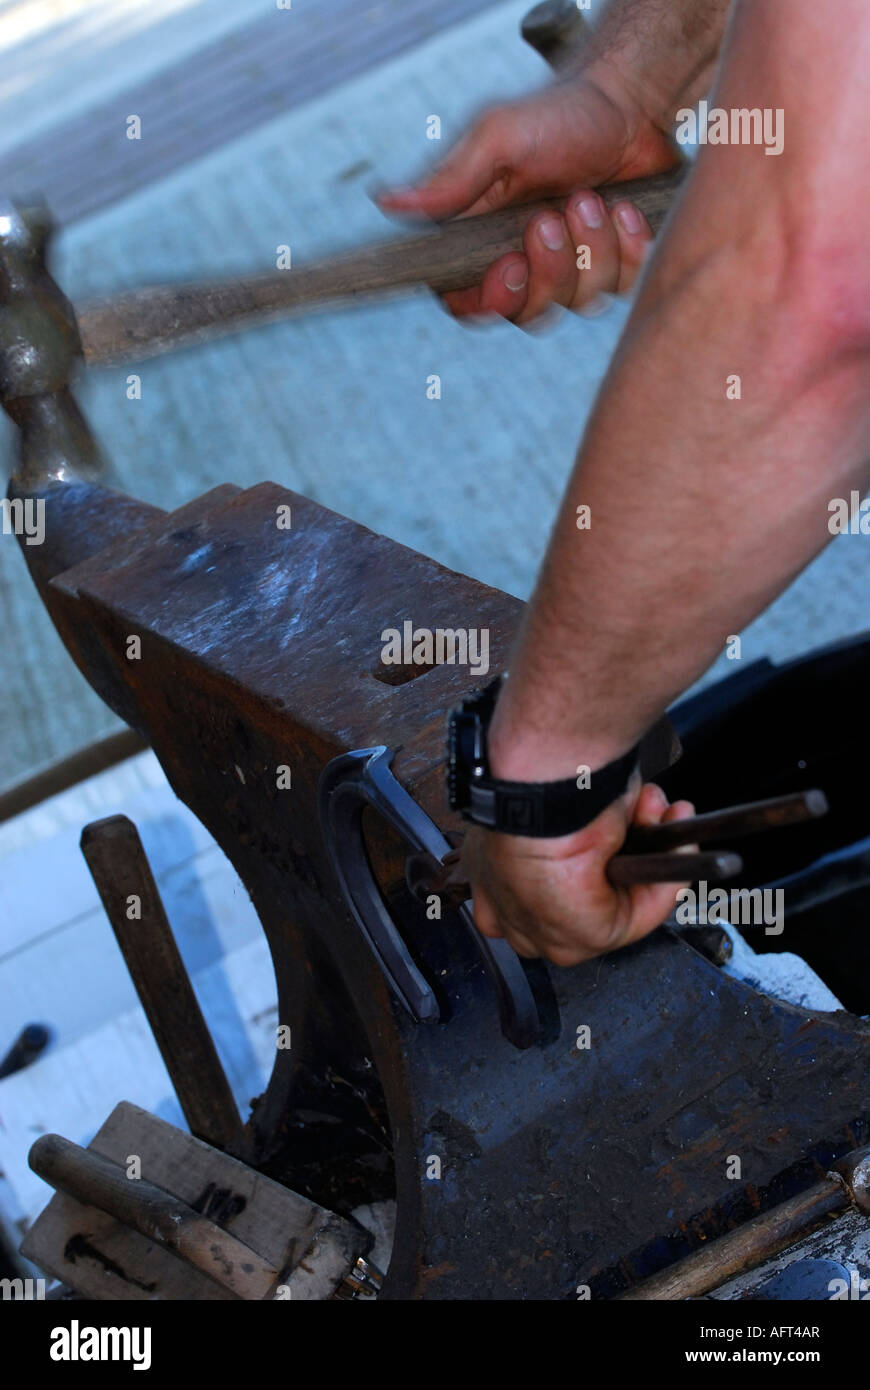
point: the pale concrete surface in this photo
(59, 56)
(199, 100)
(60, 965)
(72, 1089)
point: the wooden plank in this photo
(219, 93)
(155, 1213)
(102, 1259)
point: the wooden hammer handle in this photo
(449, 256)
(96, 1181)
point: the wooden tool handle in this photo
(449, 256)
(120, 870)
(98, 1182)
(452, 256)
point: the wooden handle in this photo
(746, 1247)
(119, 867)
(155, 1213)
(450, 256)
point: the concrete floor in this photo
(62, 56)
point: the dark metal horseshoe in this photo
(363, 778)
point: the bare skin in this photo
(609, 121)
(703, 508)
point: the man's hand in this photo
(564, 140)
(552, 898)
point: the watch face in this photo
(460, 757)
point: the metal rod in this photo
(30, 1044)
(843, 871)
(645, 858)
(424, 876)
(747, 819)
(124, 881)
(625, 870)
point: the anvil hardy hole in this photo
(401, 675)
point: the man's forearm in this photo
(664, 51)
(703, 506)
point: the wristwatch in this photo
(541, 810)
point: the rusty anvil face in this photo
(260, 649)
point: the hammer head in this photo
(39, 340)
(24, 236)
(39, 349)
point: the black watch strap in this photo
(545, 810)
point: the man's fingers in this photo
(571, 259)
(503, 291)
(552, 268)
(492, 923)
(651, 903)
(485, 915)
(652, 805)
(523, 945)
(464, 304)
(635, 239)
(575, 257)
(480, 168)
(596, 247)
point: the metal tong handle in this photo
(646, 858)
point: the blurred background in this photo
(261, 126)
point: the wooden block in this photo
(102, 1259)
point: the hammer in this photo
(451, 256)
(42, 336)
